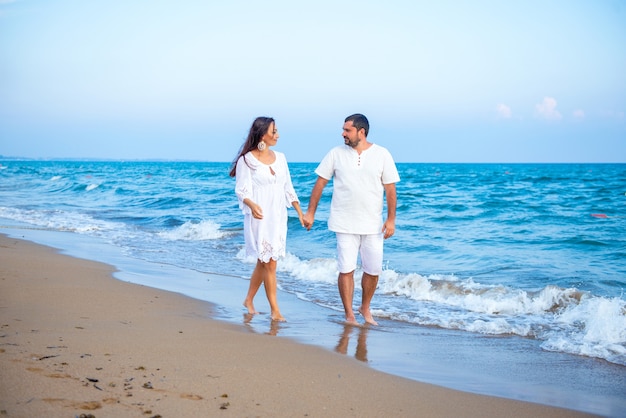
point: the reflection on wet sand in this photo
(274, 325)
(247, 317)
(361, 345)
(360, 352)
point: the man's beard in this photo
(352, 144)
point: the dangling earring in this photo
(261, 146)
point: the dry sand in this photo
(75, 341)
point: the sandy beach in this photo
(74, 341)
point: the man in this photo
(362, 172)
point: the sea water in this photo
(527, 252)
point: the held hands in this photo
(308, 221)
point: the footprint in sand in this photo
(191, 396)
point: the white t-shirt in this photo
(357, 203)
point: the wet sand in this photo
(74, 340)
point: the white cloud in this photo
(579, 114)
(547, 109)
(503, 111)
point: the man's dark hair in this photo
(359, 121)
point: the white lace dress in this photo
(270, 187)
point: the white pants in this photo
(370, 247)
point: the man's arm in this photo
(316, 195)
(389, 227)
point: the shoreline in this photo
(76, 340)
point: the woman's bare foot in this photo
(367, 316)
(277, 317)
(250, 307)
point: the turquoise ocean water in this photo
(532, 256)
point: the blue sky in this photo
(444, 81)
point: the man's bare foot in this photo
(351, 320)
(250, 307)
(367, 316)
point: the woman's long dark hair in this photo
(259, 128)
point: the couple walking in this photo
(362, 173)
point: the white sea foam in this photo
(317, 270)
(243, 257)
(475, 297)
(322, 270)
(566, 319)
(59, 220)
(91, 187)
(194, 231)
(596, 327)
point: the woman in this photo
(265, 191)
